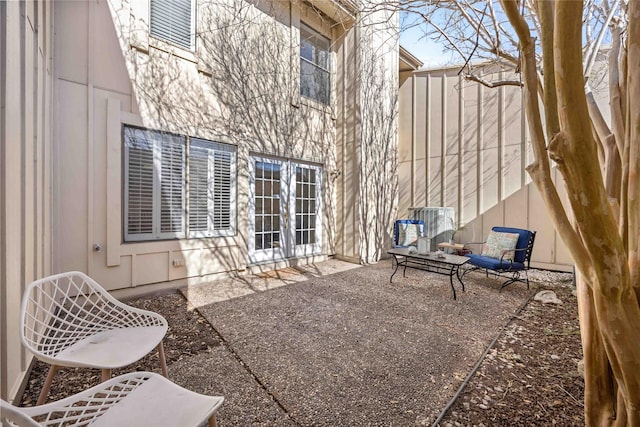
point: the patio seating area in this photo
(328, 344)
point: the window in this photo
(158, 176)
(315, 65)
(211, 190)
(154, 180)
(172, 20)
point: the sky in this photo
(426, 50)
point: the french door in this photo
(285, 212)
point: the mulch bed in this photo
(530, 376)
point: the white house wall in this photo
(378, 149)
(26, 114)
(239, 86)
(466, 146)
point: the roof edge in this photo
(412, 63)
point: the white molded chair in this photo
(136, 399)
(68, 319)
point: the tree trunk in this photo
(608, 306)
(614, 305)
(599, 402)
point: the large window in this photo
(315, 65)
(160, 177)
(172, 20)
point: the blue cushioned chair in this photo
(510, 269)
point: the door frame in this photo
(287, 225)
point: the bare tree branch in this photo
(474, 78)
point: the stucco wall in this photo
(126, 76)
(240, 85)
(26, 114)
(365, 175)
(466, 146)
(378, 99)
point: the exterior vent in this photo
(440, 223)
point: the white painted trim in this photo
(114, 182)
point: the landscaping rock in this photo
(547, 297)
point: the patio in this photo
(329, 344)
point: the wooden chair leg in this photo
(47, 384)
(163, 361)
(106, 375)
(212, 421)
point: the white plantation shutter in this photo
(172, 20)
(154, 185)
(172, 160)
(222, 194)
(212, 189)
(198, 189)
(138, 183)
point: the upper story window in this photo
(161, 170)
(315, 65)
(173, 21)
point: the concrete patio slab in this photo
(222, 290)
(346, 348)
(218, 373)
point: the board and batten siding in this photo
(26, 115)
(466, 146)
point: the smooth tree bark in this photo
(604, 240)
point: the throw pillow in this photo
(497, 243)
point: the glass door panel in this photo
(307, 198)
(284, 209)
(266, 237)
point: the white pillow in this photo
(498, 243)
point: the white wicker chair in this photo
(136, 399)
(69, 320)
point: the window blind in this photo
(211, 188)
(198, 189)
(172, 152)
(154, 185)
(139, 150)
(171, 20)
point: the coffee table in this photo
(447, 264)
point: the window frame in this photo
(192, 29)
(156, 203)
(215, 147)
(156, 139)
(304, 27)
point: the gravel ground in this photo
(350, 349)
